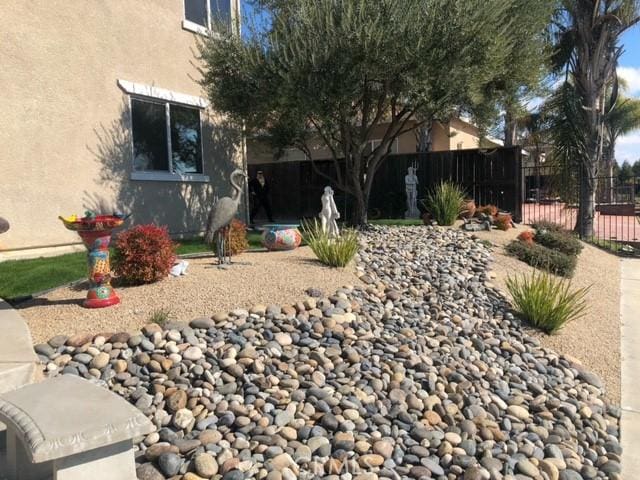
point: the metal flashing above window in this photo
(133, 88)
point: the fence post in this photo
(519, 185)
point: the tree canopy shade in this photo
(588, 49)
(332, 70)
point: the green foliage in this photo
(445, 202)
(336, 252)
(335, 71)
(549, 226)
(160, 316)
(544, 258)
(561, 241)
(546, 302)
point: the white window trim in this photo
(162, 176)
(151, 91)
(161, 95)
(206, 31)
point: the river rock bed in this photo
(421, 374)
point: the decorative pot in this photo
(281, 237)
(469, 209)
(95, 232)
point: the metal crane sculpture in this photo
(221, 215)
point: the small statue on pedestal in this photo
(329, 214)
(411, 188)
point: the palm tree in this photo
(534, 128)
(620, 120)
(587, 50)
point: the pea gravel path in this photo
(593, 339)
(256, 277)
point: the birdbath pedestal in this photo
(95, 233)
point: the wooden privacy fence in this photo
(488, 176)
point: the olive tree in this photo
(333, 70)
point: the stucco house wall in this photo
(454, 135)
(65, 127)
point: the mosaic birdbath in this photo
(95, 232)
(281, 236)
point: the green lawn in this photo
(24, 277)
(19, 278)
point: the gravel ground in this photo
(421, 374)
(255, 277)
(595, 336)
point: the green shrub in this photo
(561, 241)
(335, 252)
(549, 226)
(445, 202)
(546, 302)
(542, 257)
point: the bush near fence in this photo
(544, 258)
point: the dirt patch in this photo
(593, 339)
(254, 278)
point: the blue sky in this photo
(628, 147)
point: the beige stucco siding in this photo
(65, 126)
(462, 135)
(444, 137)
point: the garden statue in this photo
(411, 188)
(4, 225)
(221, 215)
(329, 214)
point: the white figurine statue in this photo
(329, 214)
(411, 188)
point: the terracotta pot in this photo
(469, 209)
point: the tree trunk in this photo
(509, 129)
(360, 214)
(587, 207)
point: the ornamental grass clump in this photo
(546, 302)
(445, 202)
(334, 252)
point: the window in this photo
(166, 138)
(203, 15)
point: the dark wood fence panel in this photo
(488, 176)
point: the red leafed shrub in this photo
(237, 240)
(487, 210)
(503, 222)
(527, 237)
(144, 254)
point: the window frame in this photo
(165, 175)
(234, 10)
